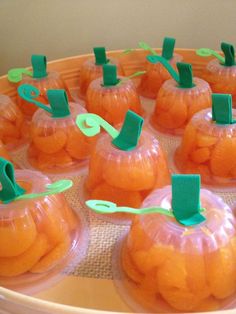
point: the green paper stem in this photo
(59, 103)
(184, 78)
(125, 79)
(168, 48)
(110, 75)
(222, 109)
(10, 189)
(186, 199)
(228, 51)
(105, 207)
(15, 75)
(53, 188)
(100, 55)
(90, 125)
(145, 46)
(130, 133)
(39, 64)
(206, 52)
(59, 106)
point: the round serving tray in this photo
(90, 289)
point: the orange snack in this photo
(13, 127)
(209, 149)
(92, 69)
(175, 106)
(37, 235)
(43, 81)
(168, 267)
(124, 177)
(111, 100)
(156, 75)
(57, 145)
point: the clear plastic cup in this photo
(155, 76)
(126, 177)
(175, 106)
(53, 80)
(112, 102)
(165, 267)
(57, 145)
(90, 71)
(221, 78)
(38, 237)
(209, 149)
(13, 127)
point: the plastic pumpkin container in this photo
(179, 99)
(39, 236)
(13, 127)
(111, 98)
(126, 176)
(56, 144)
(221, 76)
(209, 146)
(165, 267)
(91, 69)
(43, 81)
(156, 74)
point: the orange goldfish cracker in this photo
(50, 259)
(223, 157)
(200, 155)
(51, 144)
(221, 272)
(118, 196)
(16, 235)
(14, 266)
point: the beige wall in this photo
(61, 28)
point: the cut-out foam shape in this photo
(100, 55)
(227, 49)
(222, 109)
(130, 132)
(53, 188)
(186, 203)
(39, 64)
(10, 189)
(110, 75)
(184, 78)
(15, 75)
(59, 106)
(206, 52)
(168, 47)
(127, 139)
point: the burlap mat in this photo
(103, 235)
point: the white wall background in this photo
(61, 28)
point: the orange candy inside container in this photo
(39, 237)
(111, 98)
(166, 267)
(57, 145)
(156, 74)
(209, 147)
(221, 75)
(179, 99)
(92, 69)
(43, 81)
(126, 176)
(13, 127)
